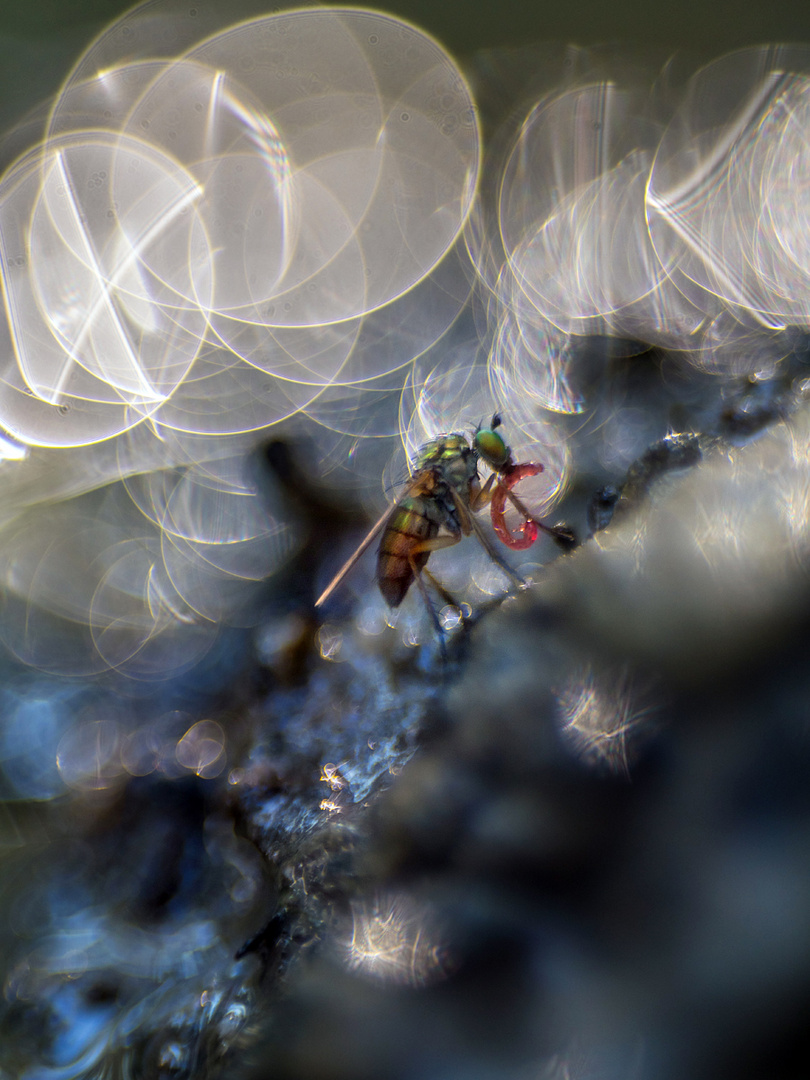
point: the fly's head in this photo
(491, 445)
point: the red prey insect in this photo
(493, 450)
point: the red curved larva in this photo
(527, 531)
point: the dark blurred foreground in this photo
(580, 848)
(599, 863)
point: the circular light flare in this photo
(724, 191)
(93, 331)
(202, 749)
(382, 133)
(89, 755)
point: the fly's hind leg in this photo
(434, 543)
(431, 610)
(441, 589)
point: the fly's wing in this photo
(364, 545)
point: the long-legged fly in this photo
(437, 509)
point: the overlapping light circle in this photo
(251, 199)
(725, 197)
(227, 220)
(685, 231)
(223, 224)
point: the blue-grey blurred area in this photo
(556, 829)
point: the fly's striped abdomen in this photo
(407, 526)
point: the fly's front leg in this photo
(484, 496)
(486, 544)
(561, 533)
(469, 524)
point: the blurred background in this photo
(41, 40)
(280, 843)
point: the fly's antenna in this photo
(495, 422)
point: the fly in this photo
(436, 510)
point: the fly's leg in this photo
(503, 491)
(431, 610)
(434, 543)
(469, 524)
(441, 589)
(564, 536)
(484, 496)
(486, 544)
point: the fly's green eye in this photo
(491, 447)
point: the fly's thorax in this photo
(439, 451)
(451, 459)
(443, 470)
